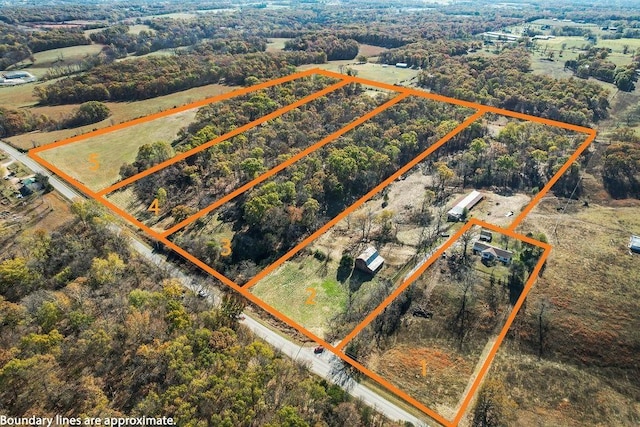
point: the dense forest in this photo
(271, 218)
(208, 175)
(91, 328)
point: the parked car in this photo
(318, 350)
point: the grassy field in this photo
(121, 112)
(135, 29)
(114, 149)
(574, 45)
(17, 96)
(377, 72)
(286, 290)
(276, 44)
(62, 57)
(590, 288)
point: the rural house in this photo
(466, 203)
(491, 253)
(369, 261)
(634, 244)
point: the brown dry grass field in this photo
(450, 368)
(590, 286)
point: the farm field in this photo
(121, 112)
(114, 149)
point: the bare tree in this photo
(543, 326)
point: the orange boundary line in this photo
(543, 192)
(363, 199)
(245, 290)
(436, 255)
(80, 186)
(324, 141)
(275, 313)
(165, 113)
(224, 137)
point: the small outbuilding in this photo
(465, 204)
(402, 65)
(634, 244)
(486, 235)
(369, 261)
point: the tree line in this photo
(334, 47)
(621, 169)
(15, 122)
(155, 76)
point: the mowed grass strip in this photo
(113, 149)
(286, 290)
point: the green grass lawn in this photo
(113, 149)
(62, 56)
(286, 290)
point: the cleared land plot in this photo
(385, 74)
(136, 29)
(232, 163)
(431, 341)
(306, 291)
(276, 44)
(275, 216)
(114, 149)
(589, 288)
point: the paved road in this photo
(64, 189)
(323, 365)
